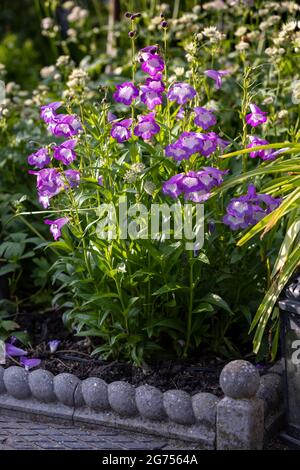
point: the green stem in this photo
(190, 304)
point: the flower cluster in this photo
(247, 210)
(51, 181)
(195, 185)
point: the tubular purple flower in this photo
(264, 154)
(181, 93)
(56, 226)
(247, 210)
(48, 111)
(100, 181)
(150, 98)
(209, 143)
(147, 127)
(111, 117)
(65, 151)
(121, 130)
(216, 75)
(177, 152)
(49, 182)
(191, 142)
(153, 64)
(126, 93)
(53, 345)
(205, 118)
(40, 159)
(155, 84)
(73, 178)
(29, 363)
(13, 351)
(180, 115)
(172, 186)
(256, 117)
(65, 125)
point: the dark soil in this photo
(74, 356)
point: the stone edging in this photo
(202, 418)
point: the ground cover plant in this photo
(181, 113)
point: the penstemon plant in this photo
(114, 168)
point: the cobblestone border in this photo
(251, 406)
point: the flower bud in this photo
(164, 24)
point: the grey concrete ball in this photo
(16, 382)
(67, 388)
(95, 393)
(41, 383)
(149, 401)
(205, 408)
(239, 379)
(178, 406)
(121, 397)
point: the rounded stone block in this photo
(270, 390)
(2, 386)
(41, 383)
(239, 379)
(178, 406)
(205, 408)
(149, 402)
(121, 397)
(95, 393)
(16, 382)
(67, 388)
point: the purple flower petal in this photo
(126, 93)
(56, 226)
(216, 75)
(53, 345)
(29, 363)
(147, 127)
(181, 93)
(40, 159)
(13, 351)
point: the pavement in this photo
(25, 434)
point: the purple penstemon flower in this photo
(204, 118)
(100, 180)
(13, 351)
(180, 115)
(256, 117)
(29, 363)
(56, 226)
(195, 185)
(181, 93)
(148, 51)
(264, 154)
(72, 177)
(177, 152)
(216, 75)
(147, 127)
(126, 93)
(65, 151)
(155, 84)
(48, 111)
(53, 345)
(150, 98)
(111, 117)
(40, 159)
(152, 64)
(191, 142)
(121, 130)
(172, 186)
(247, 210)
(209, 143)
(65, 125)
(49, 182)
